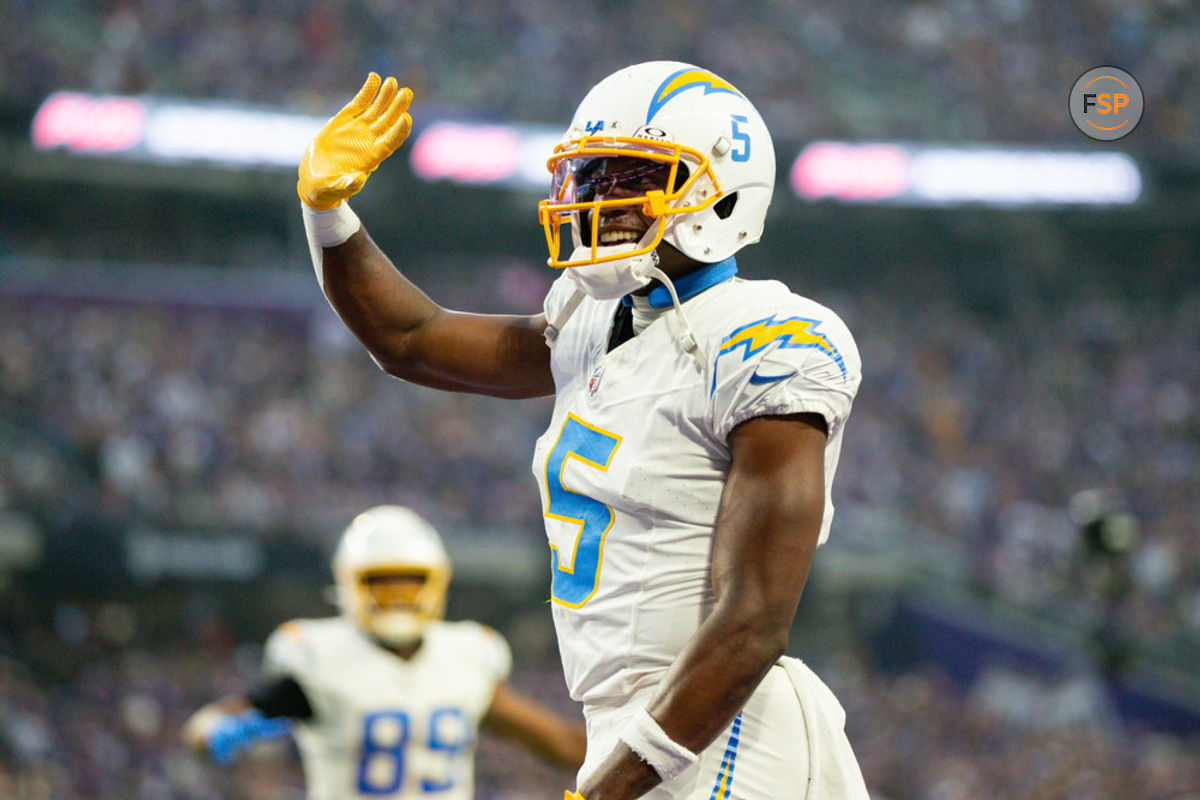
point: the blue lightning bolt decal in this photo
(793, 332)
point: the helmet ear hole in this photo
(724, 207)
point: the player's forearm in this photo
(710, 681)
(765, 538)
(564, 746)
(758, 586)
(414, 339)
(381, 307)
(540, 729)
(377, 303)
(716, 673)
(561, 742)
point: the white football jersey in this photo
(383, 726)
(632, 467)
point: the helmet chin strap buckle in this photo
(646, 265)
(555, 325)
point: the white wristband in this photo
(647, 738)
(330, 227)
(327, 227)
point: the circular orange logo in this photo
(1106, 103)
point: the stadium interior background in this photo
(1009, 605)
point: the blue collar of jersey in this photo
(691, 284)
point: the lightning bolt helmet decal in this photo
(688, 78)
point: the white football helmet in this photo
(392, 574)
(706, 150)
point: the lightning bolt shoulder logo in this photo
(792, 332)
(685, 79)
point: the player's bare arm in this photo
(540, 729)
(766, 534)
(413, 338)
(408, 334)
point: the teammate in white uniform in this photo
(386, 700)
(685, 476)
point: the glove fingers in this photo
(382, 100)
(405, 97)
(363, 98)
(392, 113)
(395, 135)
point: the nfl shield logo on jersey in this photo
(594, 381)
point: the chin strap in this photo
(644, 267)
(639, 267)
(687, 338)
(555, 325)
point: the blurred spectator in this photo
(935, 70)
(100, 720)
(969, 439)
(972, 437)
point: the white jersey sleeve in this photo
(556, 298)
(287, 652)
(494, 655)
(296, 650)
(797, 358)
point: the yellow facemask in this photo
(575, 201)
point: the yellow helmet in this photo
(392, 573)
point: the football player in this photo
(685, 474)
(385, 700)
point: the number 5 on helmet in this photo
(354, 142)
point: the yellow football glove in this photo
(354, 142)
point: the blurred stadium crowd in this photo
(964, 439)
(975, 429)
(92, 709)
(955, 69)
(968, 437)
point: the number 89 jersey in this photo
(384, 727)
(633, 464)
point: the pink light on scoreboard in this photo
(467, 153)
(850, 172)
(952, 175)
(89, 124)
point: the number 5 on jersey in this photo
(574, 582)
